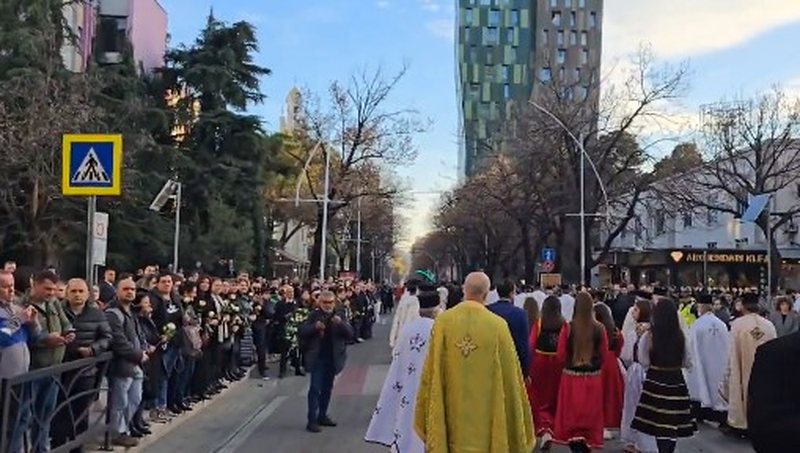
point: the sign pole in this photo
(177, 228)
(90, 211)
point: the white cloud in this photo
(682, 28)
(383, 4)
(431, 5)
(442, 28)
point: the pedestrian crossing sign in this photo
(92, 165)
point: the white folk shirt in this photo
(710, 342)
(392, 423)
(407, 310)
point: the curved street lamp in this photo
(584, 157)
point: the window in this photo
(112, 34)
(712, 216)
(473, 54)
(568, 3)
(507, 91)
(581, 3)
(510, 35)
(489, 72)
(554, 3)
(515, 17)
(561, 56)
(560, 37)
(593, 20)
(491, 36)
(660, 222)
(469, 16)
(489, 55)
(546, 40)
(584, 38)
(467, 33)
(486, 2)
(494, 18)
(687, 219)
(474, 91)
(577, 74)
(583, 93)
(557, 18)
(585, 56)
(505, 73)
(573, 19)
(483, 110)
(545, 74)
(573, 38)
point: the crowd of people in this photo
(174, 340)
(578, 367)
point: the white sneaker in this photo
(607, 435)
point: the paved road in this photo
(260, 416)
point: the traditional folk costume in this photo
(472, 395)
(407, 311)
(613, 383)
(579, 414)
(710, 349)
(545, 372)
(664, 409)
(634, 378)
(747, 334)
(392, 422)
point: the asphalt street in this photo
(269, 416)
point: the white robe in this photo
(634, 380)
(392, 421)
(407, 310)
(710, 349)
(567, 306)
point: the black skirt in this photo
(664, 408)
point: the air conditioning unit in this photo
(110, 58)
(791, 229)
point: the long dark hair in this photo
(603, 315)
(583, 347)
(532, 309)
(551, 314)
(645, 310)
(669, 344)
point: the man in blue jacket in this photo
(17, 326)
(517, 320)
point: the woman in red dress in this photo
(579, 410)
(545, 369)
(613, 381)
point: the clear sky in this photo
(734, 48)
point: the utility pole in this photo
(358, 240)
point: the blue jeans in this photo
(36, 412)
(319, 392)
(125, 397)
(169, 360)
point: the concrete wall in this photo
(147, 28)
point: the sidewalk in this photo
(162, 429)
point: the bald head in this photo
(476, 287)
(77, 292)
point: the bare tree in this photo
(752, 149)
(608, 129)
(363, 132)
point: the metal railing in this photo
(57, 399)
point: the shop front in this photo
(692, 268)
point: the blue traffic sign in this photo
(548, 255)
(92, 165)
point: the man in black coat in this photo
(773, 415)
(92, 338)
(323, 338)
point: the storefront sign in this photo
(719, 257)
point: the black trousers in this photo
(261, 341)
(288, 356)
(73, 418)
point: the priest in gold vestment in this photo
(472, 396)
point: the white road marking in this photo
(237, 440)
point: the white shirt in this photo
(567, 306)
